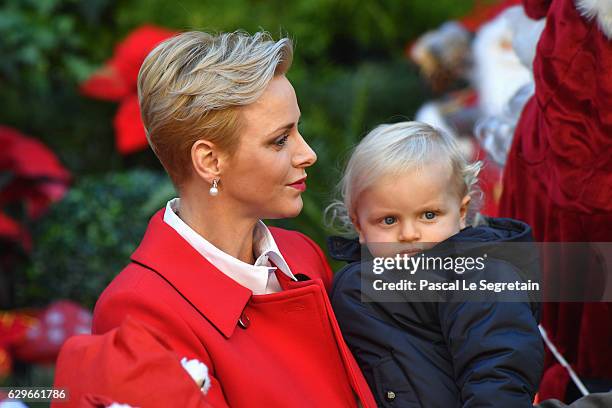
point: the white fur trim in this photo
(602, 9)
(198, 371)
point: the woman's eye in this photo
(389, 220)
(281, 141)
(429, 215)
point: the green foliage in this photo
(89, 236)
(324, 30)
(349, 71)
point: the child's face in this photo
(418, 207)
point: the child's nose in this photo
(409, 233)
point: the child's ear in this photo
(357, 226)
(465, 202)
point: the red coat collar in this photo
(218, 298)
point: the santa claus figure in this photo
(558, 175)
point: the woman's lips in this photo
(299, 185)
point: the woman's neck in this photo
(229, 232)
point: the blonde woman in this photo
(248, 301)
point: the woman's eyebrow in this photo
(284, 127)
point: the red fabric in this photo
(131, 364)
(558, 177)
(117, 78)
(536, 9)
(554, 383)
(291, 354)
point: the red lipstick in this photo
(299, 185)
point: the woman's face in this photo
(265, 176)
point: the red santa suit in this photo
(558, 176)
(281, 349)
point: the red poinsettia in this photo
(116, 81)
(32, 175)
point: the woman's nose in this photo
(304, 155)
(409, 232)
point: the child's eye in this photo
(281, 141)
(429, 215)
(389, 220)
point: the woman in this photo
(247, 301)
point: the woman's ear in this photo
(465, 203)
(205, 159)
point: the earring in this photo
(214, 190)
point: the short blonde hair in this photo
(394, 149)
(191, 87)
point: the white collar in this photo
(253, 277)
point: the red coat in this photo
(131, 364)
(290, 352)
(558, 177)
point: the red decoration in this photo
(116, 81)
(36, 177)
(13, 328)
(53, 325)
(129, 132)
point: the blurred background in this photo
(78, 182)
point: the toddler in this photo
(408, 183)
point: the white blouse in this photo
(259, 278)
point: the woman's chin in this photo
(290, 210)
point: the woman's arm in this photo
(113, 308)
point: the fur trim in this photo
(602, 9)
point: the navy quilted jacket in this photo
(443, 354)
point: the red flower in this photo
(37, 175)
(117, 78)
(129, 130)
(34, 176)
(116, 81)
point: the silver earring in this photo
(214, 190)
